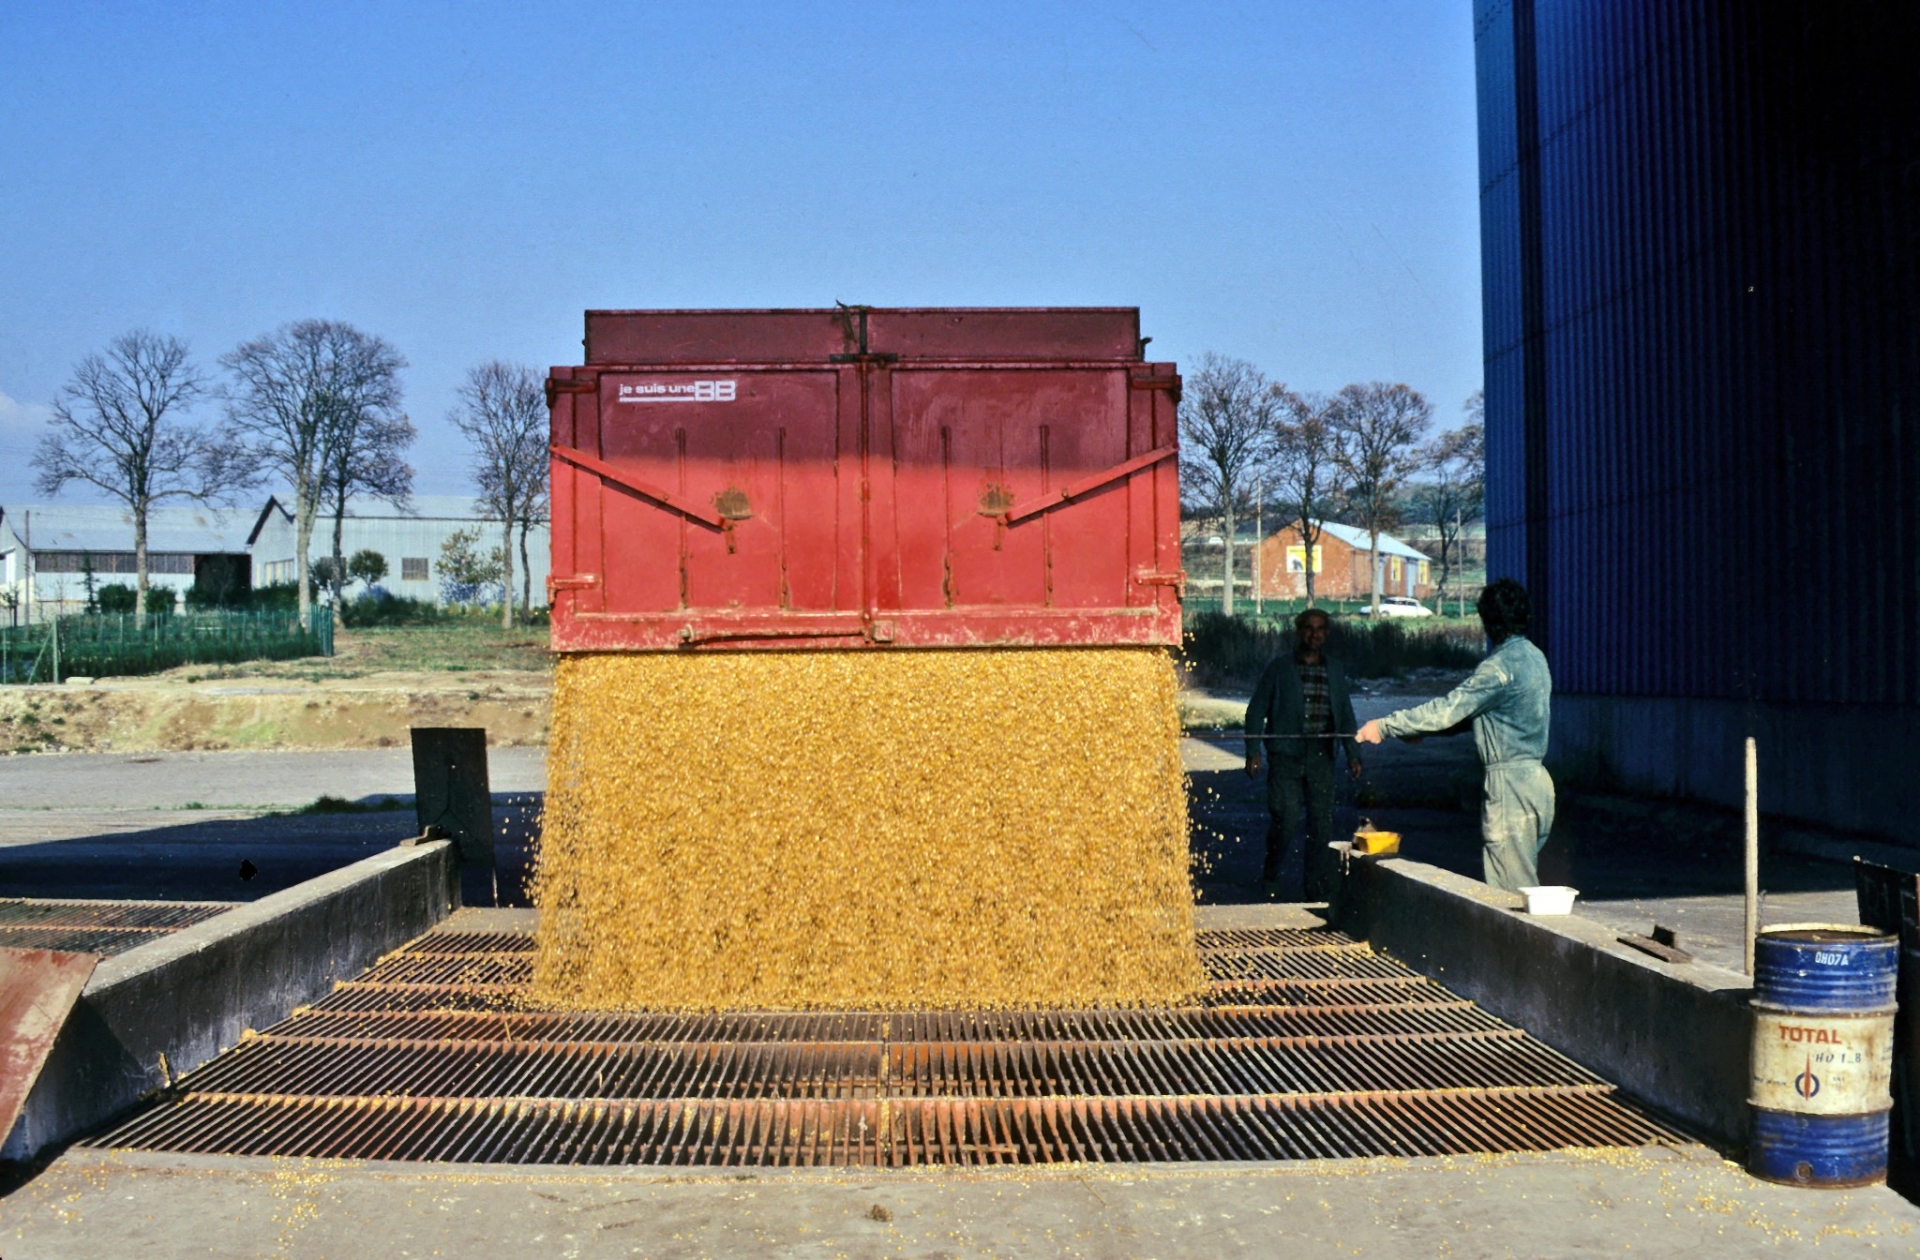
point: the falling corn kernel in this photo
(874, 829)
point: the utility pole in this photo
(1460, 539)
(1259, 548)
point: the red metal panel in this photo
(38, 987)
(816, 336)
(1039, 335)
(928, 493)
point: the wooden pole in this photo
(1753, 849)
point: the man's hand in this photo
(1253, 767)
(1371, 733)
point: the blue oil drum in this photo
(1822, 1062)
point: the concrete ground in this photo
(1612, 1203)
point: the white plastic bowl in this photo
(1550, 899)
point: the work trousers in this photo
(1515, 820)
(1308, 782)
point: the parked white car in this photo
(1398, 606)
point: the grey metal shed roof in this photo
(104, 527)
(421, 507)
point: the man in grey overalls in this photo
(1507, 700)
(1300, 710)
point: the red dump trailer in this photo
(864, 477)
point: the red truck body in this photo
(864, 477)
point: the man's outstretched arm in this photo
(1460, 705)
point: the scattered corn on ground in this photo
(781, 830)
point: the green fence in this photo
(115, 645)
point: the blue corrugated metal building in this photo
(1700, 223)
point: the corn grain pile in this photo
(875, 829)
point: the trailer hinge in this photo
(1150, 577)
(557, 582)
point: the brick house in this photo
(1341, 565)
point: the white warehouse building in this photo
(50, 551)
(408, 538)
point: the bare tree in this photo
(503, 414)
(1378, 429)
(1303, 468)
(1226, 423)
(293, 390)
(116, 427)
(539, 508)
(1456, 490)
(365, 450)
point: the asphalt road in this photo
(232, 780)
(212, 826)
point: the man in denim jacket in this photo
(1507, 699)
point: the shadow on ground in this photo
(244, 859)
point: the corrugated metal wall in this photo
(1700, 222)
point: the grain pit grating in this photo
(1309, 1046)
(96, 927)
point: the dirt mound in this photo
(169, 714)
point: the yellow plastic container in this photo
(1372, 842)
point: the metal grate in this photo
(96, 927)
(1308, 1045)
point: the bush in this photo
(1220, 648)
(378, 608)
(367, 566)
(118, 597)
(276, 597)
(466, 575)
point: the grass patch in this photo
(1232, 650)
(457, 644)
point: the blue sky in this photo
(1292, 183)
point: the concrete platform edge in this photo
(165, 1162)
(1674, 1036)
(167, 1007)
